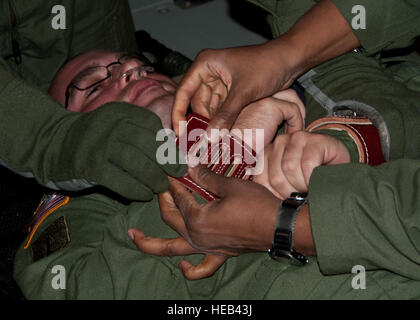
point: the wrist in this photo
(283, 246)
(320, 35)
(303, 239)
(265, 232)
(285, 58)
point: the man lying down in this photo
(79, 248)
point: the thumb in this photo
(182, 100)
(293, 117)
(227, 113)
(205, 269)
(335, 151)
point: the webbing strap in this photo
(306, 82)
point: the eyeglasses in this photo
(101, 76)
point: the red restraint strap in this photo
(361, 130)
(219, 157)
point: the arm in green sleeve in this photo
(369, 216)
(390, 24)
(114, 146)
(25, 112)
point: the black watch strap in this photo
(284, 229)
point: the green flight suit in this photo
(360, 215)
(100, 261)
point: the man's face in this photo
(152, 91)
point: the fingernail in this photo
(213, 135)
(131, 235)
(193, 161)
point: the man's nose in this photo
(131, 73)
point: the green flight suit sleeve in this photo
(390, 24)
(369, 216)
(21, 122)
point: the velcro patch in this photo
(48, 205)
(54, 238)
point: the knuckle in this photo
(190, 274)
(294, 107)
(205, 54)
(298, 136)
(309, 164)
(298, 139)
(289, 165)
(169, 248)
(277, 181)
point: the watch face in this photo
(299, 196)
(295, 200)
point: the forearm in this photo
(320, 35)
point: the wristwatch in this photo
(284, 230)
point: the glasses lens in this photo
(90, 77)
